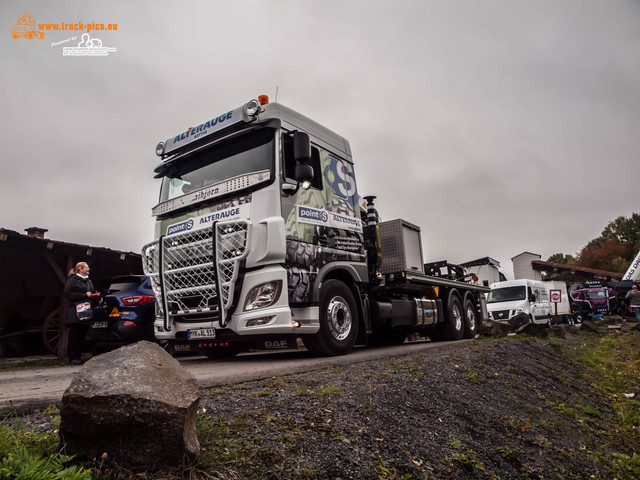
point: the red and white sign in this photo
(556, 296)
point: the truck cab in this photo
(589, 300)
(519, 297)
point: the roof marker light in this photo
(263, 99)
(160, 149)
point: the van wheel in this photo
(453, 328)
(470, 319)
(338, 321)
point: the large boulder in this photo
(136, 404)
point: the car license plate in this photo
(202, 333)
(101, 324)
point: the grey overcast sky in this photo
(498, 126)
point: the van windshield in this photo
(507, 294)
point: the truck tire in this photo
(470, 318)
(338, 321)
(453, 328)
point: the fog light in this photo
(296, 324)
(254, 322)
(263, 296)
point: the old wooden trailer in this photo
(33, 272)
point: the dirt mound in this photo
(508, 408)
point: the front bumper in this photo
(276, 319)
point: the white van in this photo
(513, 297)
(560, 311)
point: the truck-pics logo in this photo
(89, 47)
(26, 27)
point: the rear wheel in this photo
(453, 328)
(338, 321)
(470, 318)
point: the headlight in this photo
(263, 296)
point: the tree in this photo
(615, 248)
(562, 258)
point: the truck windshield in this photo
(243, 155)
(595, 295)
(507, 294)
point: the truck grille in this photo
(188, 277)
(501, 314)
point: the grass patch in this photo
(28, 454)
(612, 365)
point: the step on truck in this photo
(261, 239)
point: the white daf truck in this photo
(261, 240)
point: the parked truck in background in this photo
(261, 239)
(589, 299)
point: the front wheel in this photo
(338, 321)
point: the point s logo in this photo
(180, 227)
(339, 176)
(26, 27)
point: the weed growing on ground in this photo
(28, 454)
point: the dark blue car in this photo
(124, 314)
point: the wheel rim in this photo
(457, 316)
(339, 318)
(471, 318)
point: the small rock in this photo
(491, 328)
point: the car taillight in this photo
(137, 300)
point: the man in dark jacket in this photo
(78, 289)
(633, 296)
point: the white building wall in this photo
(522, 268)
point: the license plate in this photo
(202, 333)
(102, 324)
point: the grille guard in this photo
(195, 272)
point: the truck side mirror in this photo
(533, 297)
(304, 175)
(301, 147)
